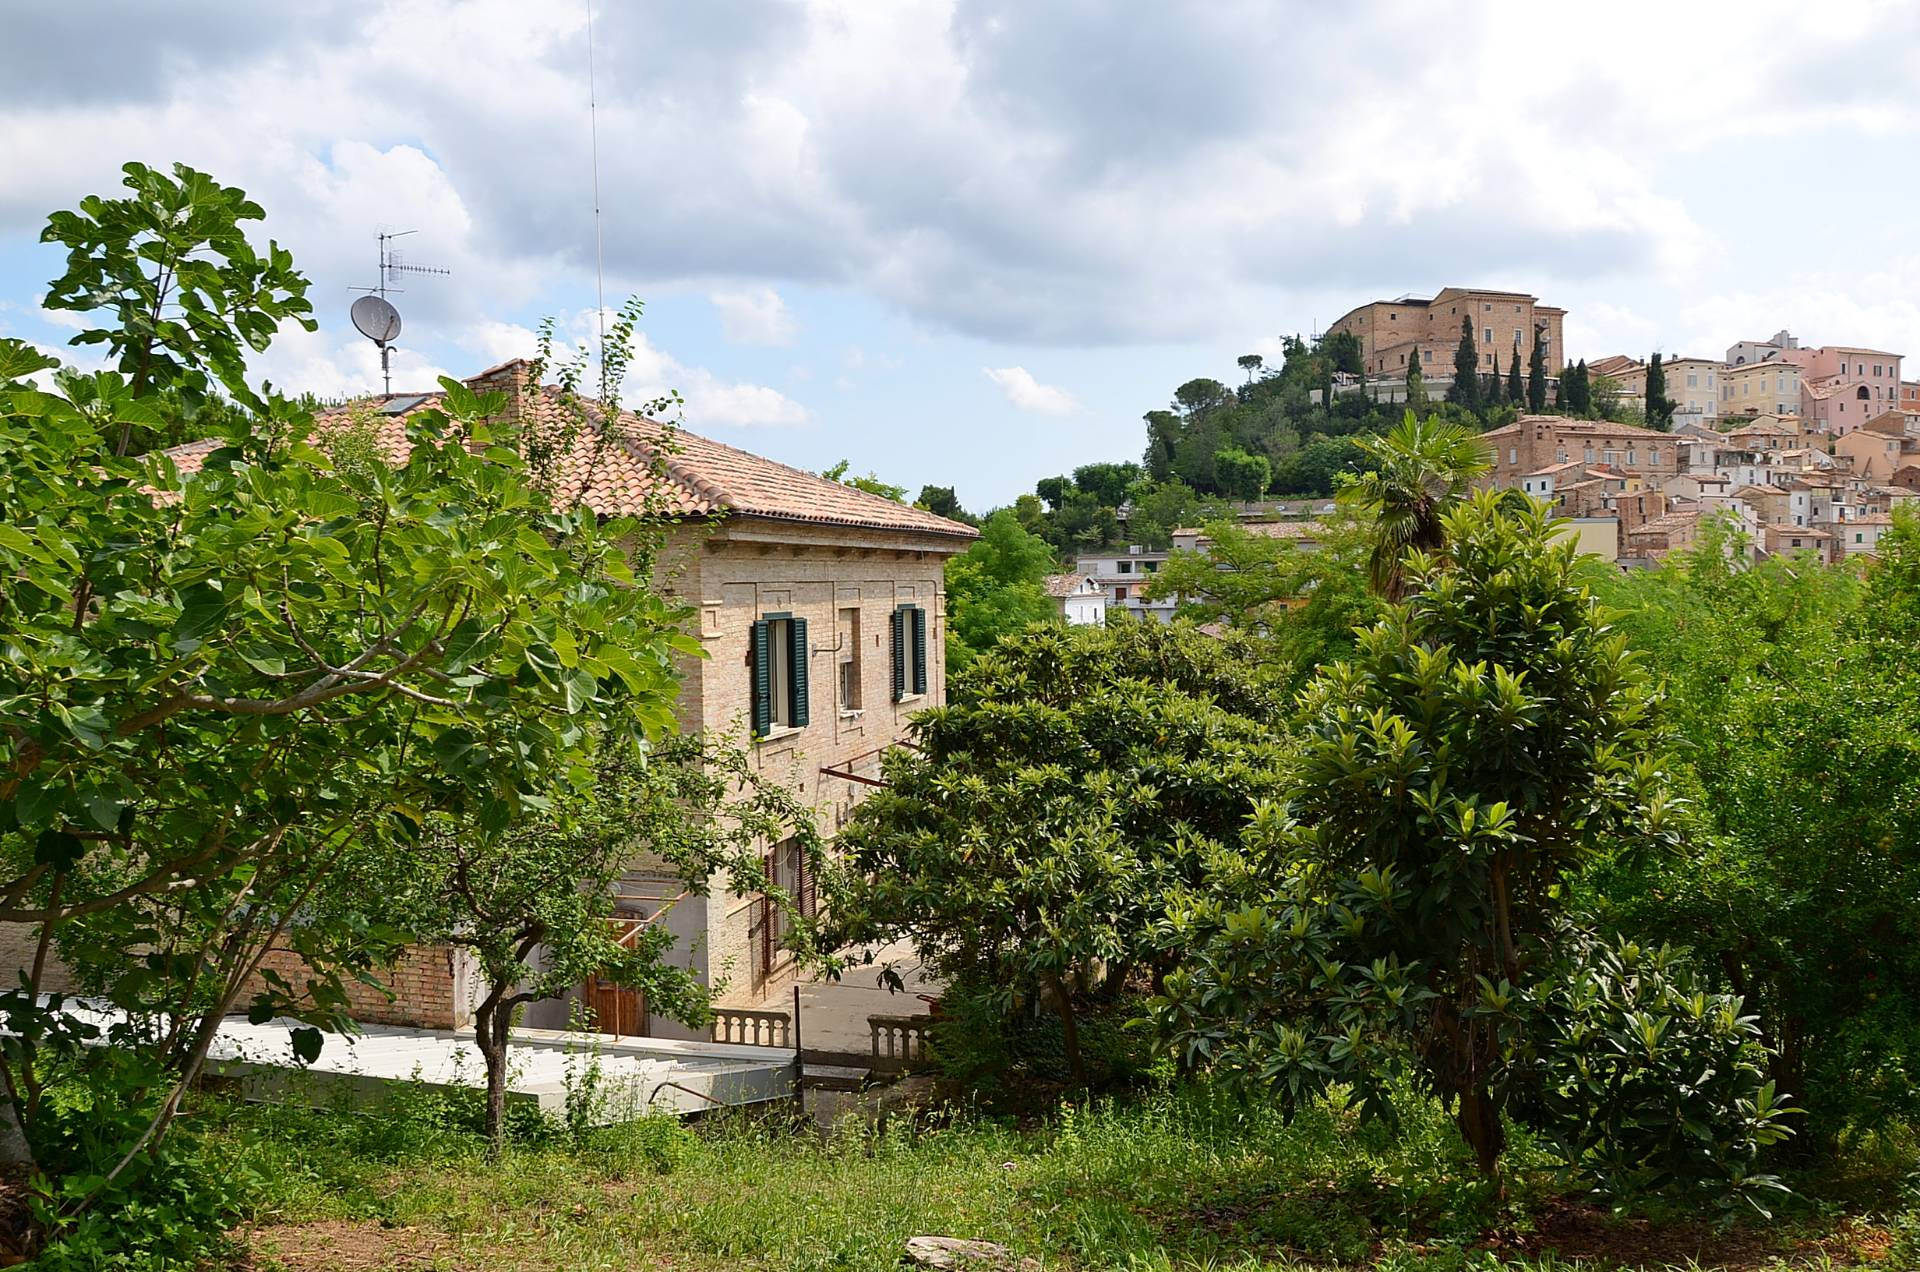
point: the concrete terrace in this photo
(636, 1076)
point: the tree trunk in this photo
(1069, 1032)
(490, 1033)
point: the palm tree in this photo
(1421, 469)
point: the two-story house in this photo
(821, 608)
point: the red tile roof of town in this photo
(641, 467)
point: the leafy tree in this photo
(1807, 771)
(1243, 476)
(1201, 397)
(1316, 468)
(1305, 601)
(996, 587)
(942, 502)
(186, 294)
(1489, 740)
(1342, 351)
(1032, 833)
(534, 902)
(1420, 471)
(1054, 490)
(1516, 393)
(215, 685)
(1537, 375)
(871, 483)
(1659, 407)
(1251, 364)
(1109, 483)
(1163, 437)
(1466, 370)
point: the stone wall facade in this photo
(1391, 331)
(1534, 442)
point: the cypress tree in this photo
(1576, 390)
(1516, 388)
(1466, 370)
(1416, 382)
(1496, 386)
(1537, 376)
(1659, 407)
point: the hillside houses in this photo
(1635, 494)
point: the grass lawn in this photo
(1186, 1180)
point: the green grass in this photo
(1188, 1180)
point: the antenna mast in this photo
(373, 315)
(599, 266)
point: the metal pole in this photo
(799, 1056)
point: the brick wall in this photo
(425, 988)
(430, 987)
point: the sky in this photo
(971, 242)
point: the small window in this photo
(1426, 355)
(909, 651)
(777, 657)
(1513, 454)
(1489, 331)
(1126, 567)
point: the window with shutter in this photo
(897, 621)
(797, 682)
(778, 657)
(760, 661)
(919, 619)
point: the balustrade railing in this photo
(899, 1042)
(750, 1027)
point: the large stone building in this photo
(1428, 331)
(1844, 386)
(1538, 447)
(822, 612)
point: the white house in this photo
(1080, 600)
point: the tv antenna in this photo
(373, 314)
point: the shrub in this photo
(1647, 1081)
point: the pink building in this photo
(1844, 386)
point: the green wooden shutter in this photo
(797, 709)
(897, 621)
(760, 660)
(919, 649)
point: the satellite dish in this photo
(375, 319)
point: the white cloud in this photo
(1028, 394)
(755, 317)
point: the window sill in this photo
(854, 713)
(905, 698)
(778, 732)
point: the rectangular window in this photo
(1426, 355)
(849, 659)
(1513, 454)
(909, 623)
(786, 867)
(1693, 380)
(777, 658)
(1120, 593)
(1125, 567)
(1489, 331)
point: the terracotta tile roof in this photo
(641, 467)
(1667, 524)
(1614, 364)
(1060, 586)
(1569, 426)
(1286, 529)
